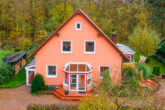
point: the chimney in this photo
(114, 37)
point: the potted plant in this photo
(66, 91)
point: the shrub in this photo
(96, 103)
(51, 107)
(145, 69)
(6, 70)
(156, 71)
(38, 84)
(32, 48)
(25, 44)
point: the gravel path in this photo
(19, 98)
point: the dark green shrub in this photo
(38, 84)
(156, 71)
(147, 60)
(6, 70)
(145, 69)
(32, 48)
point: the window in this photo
(89, 46)
(103, 69)
(89, 77)
(78, 26)
(66, 47)
(66, 78)
(51, 71)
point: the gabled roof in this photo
(125, 49)
(17, 57)
(100, 32)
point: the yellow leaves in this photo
(144, 40)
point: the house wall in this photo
(106, 54)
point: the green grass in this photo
(153, 62)
(3, 53)
(15, 81)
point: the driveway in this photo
(18, 99)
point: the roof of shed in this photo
(17, 57)
(125, 49)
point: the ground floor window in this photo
(104, 69)
(66, 78)
(51, 71)
(89, 77)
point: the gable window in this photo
(90, 46)
(51, 71)
(78, 26)
(66, 46)
(104, 69)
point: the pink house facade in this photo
(76, 55)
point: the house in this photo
(18, 60)
(76, 55)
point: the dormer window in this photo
(78, 26)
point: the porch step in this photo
(59, 93)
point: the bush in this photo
(25, 44)
(38, 84)
(51, 107)
(32, 48)
(145, 69)
(156, 71)
(96, 103)
(159, 58)
(6, 70)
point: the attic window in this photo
(78, 26)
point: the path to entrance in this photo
(19, 98)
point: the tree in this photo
(144, 41)
(158, 15)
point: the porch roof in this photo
(31, 64)
(77, 68)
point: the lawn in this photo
(17, 80)
(3, 53)
(153, 62)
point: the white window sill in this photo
(89, 52)
(51, 76)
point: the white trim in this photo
(85, 47)
(50, 76)
(87, 80)
(62, 46)
(78, 63)
(109, 71)
(76, 26)
(77, 80)
(27, 74)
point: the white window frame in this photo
(78, 29)
(62, 46)
(85, 47)
(88, 78)
(50, 76)
(101, 77)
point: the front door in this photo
(77, 82)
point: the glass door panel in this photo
(73, 82)
(81, 83)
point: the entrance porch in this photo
(77, 81)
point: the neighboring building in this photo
(125, 49)
(18, 61)
(76, 55)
